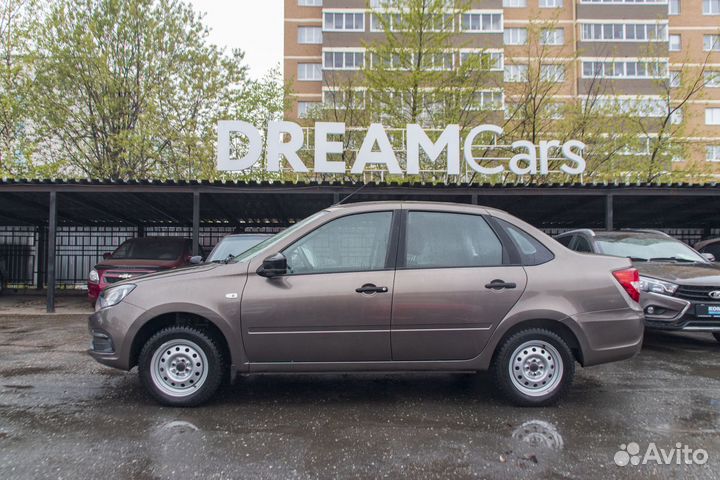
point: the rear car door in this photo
(334, 304)
(453, 284)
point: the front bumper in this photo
(672, 313)
(112, 332)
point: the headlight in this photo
(94, 276)
(114, 295)
(654, 285)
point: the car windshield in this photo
(248, 254)
(234, 245)
(150, 249)
(644, 248)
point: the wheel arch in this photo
(179, 318)
(562, 329)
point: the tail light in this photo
(629, 279)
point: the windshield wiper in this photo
(637, 259)
(671, 259)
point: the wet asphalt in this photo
(64, 416)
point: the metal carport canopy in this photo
(242, 204)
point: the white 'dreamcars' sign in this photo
(531, 158)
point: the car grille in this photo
(696, 293)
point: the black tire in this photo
(717, 336)
(537, 386)
(186, 345)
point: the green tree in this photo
(132, 88)
(18, 25)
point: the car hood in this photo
(157, 264)
(685, 274)
(176, 272)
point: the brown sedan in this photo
(391, 286)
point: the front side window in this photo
(446, 240)
(349, 244)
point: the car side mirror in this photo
(708, 256)
(107, 255)
(273, 266)
(196, 260)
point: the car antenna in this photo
(350, 195)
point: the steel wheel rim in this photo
(179, 368)
(536, 368)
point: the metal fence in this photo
(80, 248)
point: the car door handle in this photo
(500, 284)
(370, 288)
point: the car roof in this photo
(412, 203)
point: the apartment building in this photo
(642, 50)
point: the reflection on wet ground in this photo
(63, 415)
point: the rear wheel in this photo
(717, 336)
(181, 366)
(534, 368)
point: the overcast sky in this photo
(255, 26)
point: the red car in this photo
(140, 256)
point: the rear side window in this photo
(531, 251)
(582, 245)
(565, 241)
(439, 239)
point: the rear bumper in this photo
(609, 336)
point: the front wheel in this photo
(717, 336)
(534, 368)
(181, 366)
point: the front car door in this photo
(453, 284)
(334, 304)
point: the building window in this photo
(515, 36)
(551, 3)
(487, 100)
(482, 22)
(344, 99)
(628, 32)
(674, 7)
(515, 73)
(712, 79)
(711, 43)
(515, 3)
(675, 42)
(310, 3)
(712, 116)
(343, 22)
(394, 22)
(310, 35)
(487, 60)
(552, 36)
(676, 117)
(633, 69)
(309, 72)
(343, 60)
(306, 108)
(675, 79)
(711, 7)
(439, 61)
(552, 73)
(712, 153)
(621, 2)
